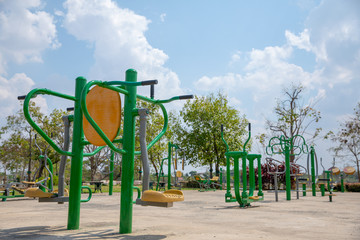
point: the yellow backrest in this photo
(104, 106)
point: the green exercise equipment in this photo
(246, 197)
(283, 145)
(81, 111)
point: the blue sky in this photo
(250, 50)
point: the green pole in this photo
(76, 160)
(169, 165)
(328, 176)
(260, 193)
(287, 173)
(127, 176)
(313, 185)
(322, 189)
(251, 175)
(244, 177)
(342, 182)
(111, 176)
(304, 189)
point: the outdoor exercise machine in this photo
(246, 197)
(97, 115)
(312, 163)
(208, 184)
(171, 148)
(12, 190)
(273, 168)
(281, 145)
(343, 174)
(150, 197)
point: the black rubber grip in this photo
(149, 82)
(70, 109)
(152, 91)
(249, 127)
(22, 97)
(222, 128)
(186, 97)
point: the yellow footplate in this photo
(36, 192)
(254, 197)
(167, 196)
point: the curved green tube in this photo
(90, 194)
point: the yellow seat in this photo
(349, 170)
(335, 170)
(254, 197)
(215, 178)
(29, 183)
(172, 195)
(104, 106)
(36, 192)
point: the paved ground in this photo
(203, 215)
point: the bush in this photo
(349, 187)
(352, 187)
(192, 184)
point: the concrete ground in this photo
(203, 215)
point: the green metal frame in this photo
(284, 146)
(128, 88)
(245, 198)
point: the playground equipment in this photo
(169, 158)
(273, 168)
(149, 197)
(272, 163)
(343, 174)
(281, 145)
(245, 198)
(12, 190)
(312, 163)
(346, 172)
(101, 114)
(45, 187)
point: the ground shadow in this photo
(54, 233)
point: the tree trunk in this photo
(211, 170)
(358, 168)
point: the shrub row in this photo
(349, 187)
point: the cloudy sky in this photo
(250, 50)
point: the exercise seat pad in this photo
(36, 192)
(349, 170)
(172, 195)
(104, 106)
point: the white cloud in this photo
(11, 88)
(331, 33)
(119, 43)
(25, 32)
(162, 17)
(301, 42)
(334, 28)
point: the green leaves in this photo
(197, 129)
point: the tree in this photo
(17, 132)
(197, 130)
(293, 117)
(18, 148)
(348, 139)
